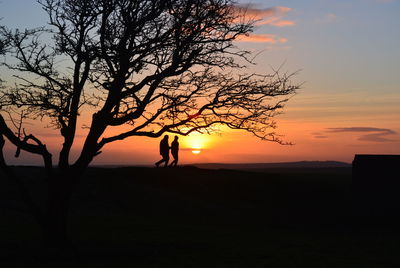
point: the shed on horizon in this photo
(376, 186)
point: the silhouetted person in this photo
(174, 151)
(164, 151)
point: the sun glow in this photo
(197, 142)
(196, 149)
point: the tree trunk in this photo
(55, 227)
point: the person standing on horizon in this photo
(175, 151)
(164, 151)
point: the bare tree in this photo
(160, 66)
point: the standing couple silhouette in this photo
(164, 152)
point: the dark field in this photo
(190, 217)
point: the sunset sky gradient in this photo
(348, 55)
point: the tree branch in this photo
(39, 148)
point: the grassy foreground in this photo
(190, 217)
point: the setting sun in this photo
(197, 142)
(196, 151)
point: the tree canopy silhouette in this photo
(159, 66)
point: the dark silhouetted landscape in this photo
(193, 217)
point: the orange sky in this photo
(313, 141)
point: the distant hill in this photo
(299, 164)
(283, 165)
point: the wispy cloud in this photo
(266, 16)
(328, 18)
(262, 38)
(373, 134)
(319, 135)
